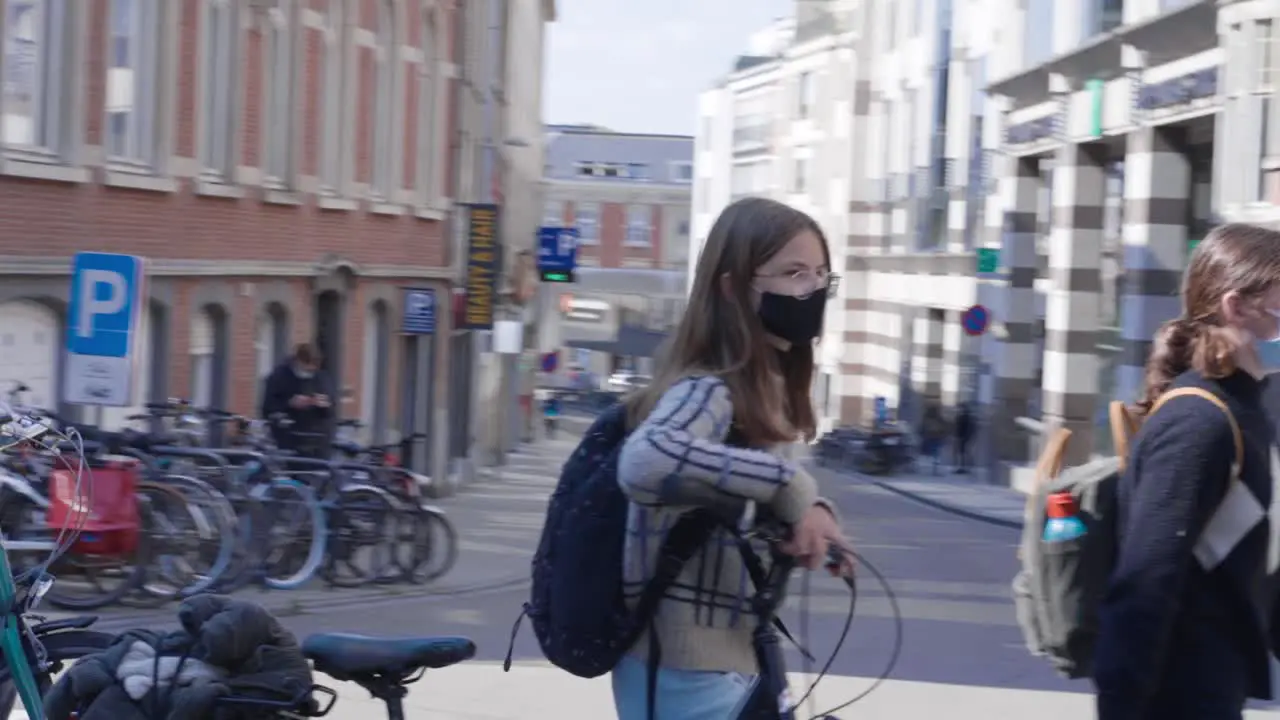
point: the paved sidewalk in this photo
(535, 691)
(988, 503)
(959, 494)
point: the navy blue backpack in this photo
(576, 603)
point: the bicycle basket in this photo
(105, 509)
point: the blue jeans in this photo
(681, 694)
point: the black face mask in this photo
(796, 320)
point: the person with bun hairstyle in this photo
(1184, 633)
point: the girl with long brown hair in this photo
(731, 395)
(1189, 615)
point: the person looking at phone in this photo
(300, 390)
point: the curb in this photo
(946, 507)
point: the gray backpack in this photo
(1061, 583)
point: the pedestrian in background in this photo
(1190, 616)
(933, 435)
(551, 413)
(963, 434)
(300, 390)
(714, 428)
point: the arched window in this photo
(209, 357)
(377, 356)
(271, 342)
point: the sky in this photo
(639, 65)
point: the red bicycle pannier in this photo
(106, 509)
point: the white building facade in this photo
(1054, 161)
(780, 126)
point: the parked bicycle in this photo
(199, 518)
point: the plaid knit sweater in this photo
(677, 460)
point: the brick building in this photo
(284, 165)
(628, 195)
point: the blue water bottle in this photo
(1064, 520)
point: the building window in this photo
(806, 93)
(430, 120)
(382, 183)
(587, 218)
(800, 181)
(1267, 58)
(1037, 32)
(221, 26)
(639, 225)
(333, 154)
(35, 76)
(131, 82)
(682, 172)
(279, 87)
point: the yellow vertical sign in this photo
(483, 254)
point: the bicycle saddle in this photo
(347, 446)
(347, 657)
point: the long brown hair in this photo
(720, 333)
(1238, 258)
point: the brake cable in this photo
(894, 654)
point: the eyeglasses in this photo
(803, 283)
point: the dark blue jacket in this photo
(1178, 641)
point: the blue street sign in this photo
(975, 320)
(419, 312)
(557, 249)
(103, 317)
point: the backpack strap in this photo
(1123, 427)
(1049, 466)
(1236, 435)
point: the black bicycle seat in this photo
(348, 446)
(349, 657)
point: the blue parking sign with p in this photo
(104, 319)
(102, 316)
(419, 311)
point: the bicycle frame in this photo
(769, 696)
(15, 654)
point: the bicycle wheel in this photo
(433, 547)
(288, 535)
(362, 537)
(85, 582)
(179, 530)
(210, 508)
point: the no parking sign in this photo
(975, 320)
